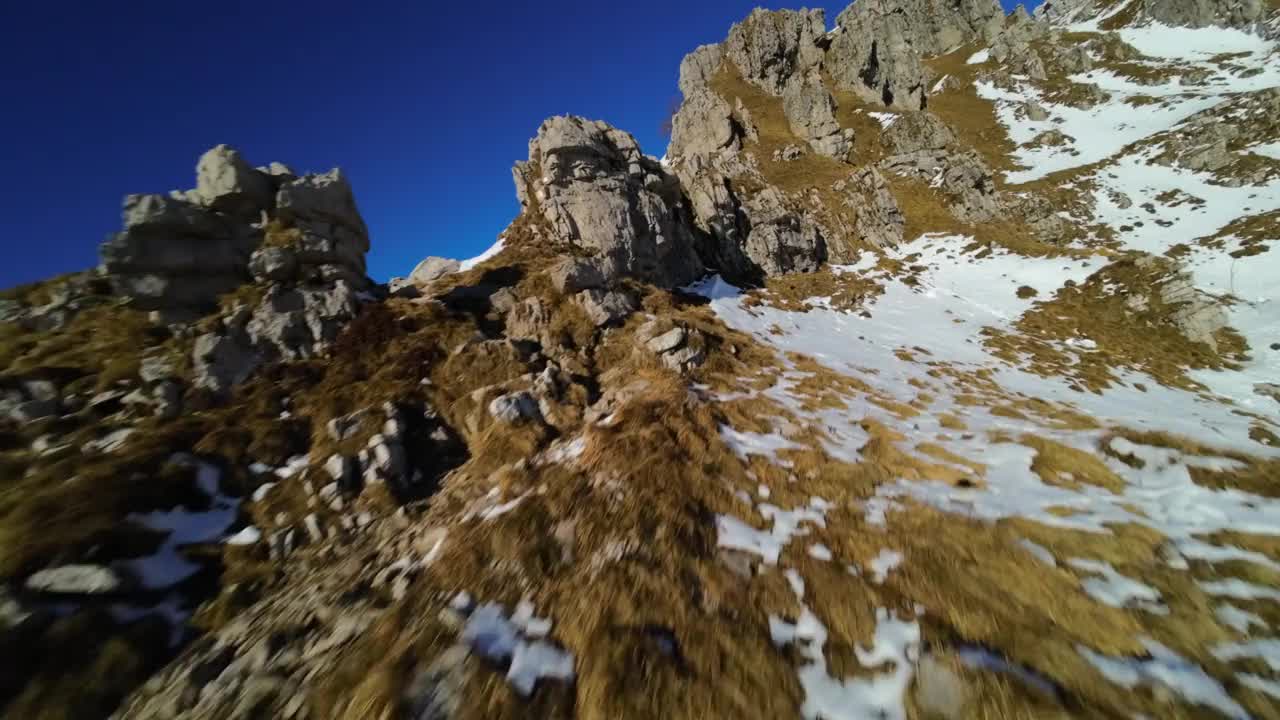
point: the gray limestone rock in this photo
(573, 275)
(599, 192)
(220, 362)
(781, 240)
(228, 184)
(273, 264)
(878, 45)
(810, 111)
(607, 307)
(514, 408)
(434, 268)
(770, 47)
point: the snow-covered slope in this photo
(1188, 461)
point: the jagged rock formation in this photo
(179, 253)
(502, 488)
(878, 45)
(595, 188)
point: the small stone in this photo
(668, 341)
(75, 580)
(939, 690)
(312, 524)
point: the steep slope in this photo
(932, 373)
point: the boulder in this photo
(273, 264)
(434, 268)
(880, 222)
(916, 131)
(573, 275)
(514, 408)
(1204, 13)
(228, 184)
(220, 362)
(529, 321)
(607, 307)
(322, 198)
(598, 192)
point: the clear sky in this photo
(424, 104)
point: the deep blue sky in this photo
(424, 104)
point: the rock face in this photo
(772, 48)
(878, 44)
(176, 254)
(597, 191)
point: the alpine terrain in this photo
(933, 372)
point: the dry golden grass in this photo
(970, 117)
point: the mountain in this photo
(933, 372)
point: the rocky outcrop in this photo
(595, 188)
(174, 254)
(771, 48)
(878, 44)
(922, 146)
(179, 253)
(811, 113)
(299, 242)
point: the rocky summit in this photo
(933, 372)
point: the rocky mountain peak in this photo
(929, 374)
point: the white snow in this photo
(1191, 44)
(979, 57)
(768, 544)
(1041, 552)
(1240, 590)
(1267, 650)
(248, 536)
(896, 643)
(818, 551)
(167, 566)
(884, 562)
(492, 251)
(1100, 132)
(491, 634)
(1170, 670)
(1239, 620)
(1270, 149)
(295, 465)
(884, 118)
(744, 444)
(1116, 590)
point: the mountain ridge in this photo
(930, 373)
